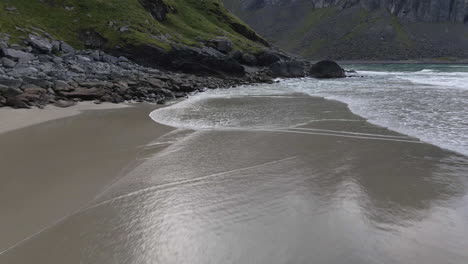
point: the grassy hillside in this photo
(122, 22)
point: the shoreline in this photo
(244, 178)
(461, 62)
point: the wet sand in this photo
(336, 190)
(51, 169)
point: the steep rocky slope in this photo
(169, 33)
(361, 29)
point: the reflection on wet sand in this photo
(257, 195)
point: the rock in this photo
(41, 82)
(158, 8)
(33, 89)
(85, 94)
(10, 82)
(3, 101)
(7, 63)
(123, 59)
(327, 69)
(249, 59)
(62, 86)
(95, 55)
(19, 56)
(222, 44)
(11, 9)
(124, 29)
(16, 102)
(55, 45)
(40, 43)
(9, 91)
(65, 48)
(3, 45)
(83, 58)
(23, 71)
(109, 59)
(64, 104)
(16, 47)
(288, 69)
(77, 69)
(2, 72)
(267, 58)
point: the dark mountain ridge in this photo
(361, 29)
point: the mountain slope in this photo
(128, 26)
(361, 29)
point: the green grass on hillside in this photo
(192, 22)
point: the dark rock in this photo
(7, 63)
(92, 39)
(327, 69)
(62, 86)
(23, 71)
(288, 69)
(158, 8)
(267, 58)
(16, 102)
(41, 82)
(3, 101)
(64, 47)
(55, 45)
(33, 89)
(9, 82)
(85, 94)
(9, 91)
(41, 44)
(64, 104)
(223, 45)
(109, 59)
(17, 55)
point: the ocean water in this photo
(429, 102)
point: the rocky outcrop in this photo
(288, 69)
(327, 70)
(63, 76)
(157, 8)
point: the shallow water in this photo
(426, 101)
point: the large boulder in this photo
(327, 69)
(288, 69)
(17, 55)
(10, 82)
(85, 94)
(41, 44)
(267, 58)
(222, 44)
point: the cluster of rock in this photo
(44, 71)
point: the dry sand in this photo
(11, 119)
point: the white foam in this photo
(428, 104)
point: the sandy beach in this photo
(336, 190)
(55, 161)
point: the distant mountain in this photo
(361, 29)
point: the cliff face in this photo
(411, 10)
(361, 29)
